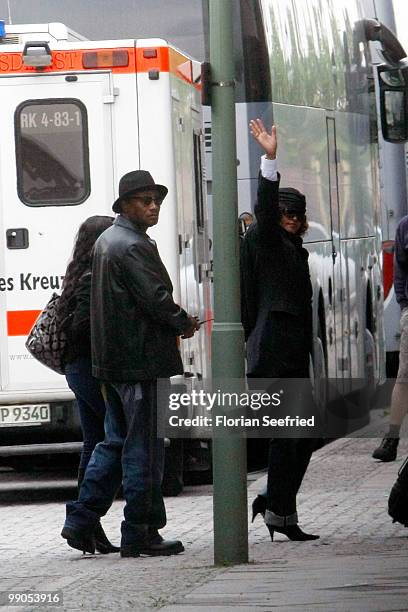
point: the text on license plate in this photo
(12, 416)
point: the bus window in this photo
(52, 152)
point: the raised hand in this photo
(268, 142)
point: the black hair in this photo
(88, 232)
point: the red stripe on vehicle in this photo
(20, 322)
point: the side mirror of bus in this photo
(393, 104)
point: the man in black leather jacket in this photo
(134, 328)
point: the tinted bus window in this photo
(252, 73)
(52, 152)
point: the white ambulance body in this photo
(75, 116)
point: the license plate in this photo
(16, 416)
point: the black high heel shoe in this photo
(293, 532)
(258, 506)
(80, 540)
(102, 544)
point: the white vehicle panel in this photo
(32, 273)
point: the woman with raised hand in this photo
(277, 319)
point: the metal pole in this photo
(229, 453)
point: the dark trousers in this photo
(130, 446)
(288, 457)
(288, 461)
(91, 405)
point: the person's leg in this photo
(103, 474)
(288, 461)
(304, 451)
(287, 466)
(281, 489)
(399, 399)
(304, 448)
(285, 469)
(158, 517)
(387, 451)
(91, 406)
(142, 464)
(399, 407)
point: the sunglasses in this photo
(147, 200)
(293, 215)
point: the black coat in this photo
(78, 326)
(276, 293)
(134, 320)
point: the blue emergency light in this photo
(2, 28)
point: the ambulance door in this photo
(193, 235)
(183, 168)
(55, 171)
(203, 270)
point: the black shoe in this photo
(258, 506)
(79, 539)
(387, 451)
(156, 547)
(293, 532)
(102, 544)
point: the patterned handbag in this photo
(398, 499)
(47, 339)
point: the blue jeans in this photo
(91, 405)
(130, 446)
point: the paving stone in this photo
(360, 563)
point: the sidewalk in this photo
(359, 564)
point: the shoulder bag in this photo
(47, 339)
(398, 499)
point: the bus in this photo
(394, 205)
(332, 77)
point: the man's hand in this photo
(194, 326)
(268, 142)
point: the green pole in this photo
(229, 453)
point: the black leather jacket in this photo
(134, 320)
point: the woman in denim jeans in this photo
(74, 310)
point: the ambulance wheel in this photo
(197, 462)
(173, 484)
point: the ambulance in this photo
(75, 116)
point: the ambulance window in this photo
(52, 152)
(198, 180)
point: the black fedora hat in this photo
(134, 181)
